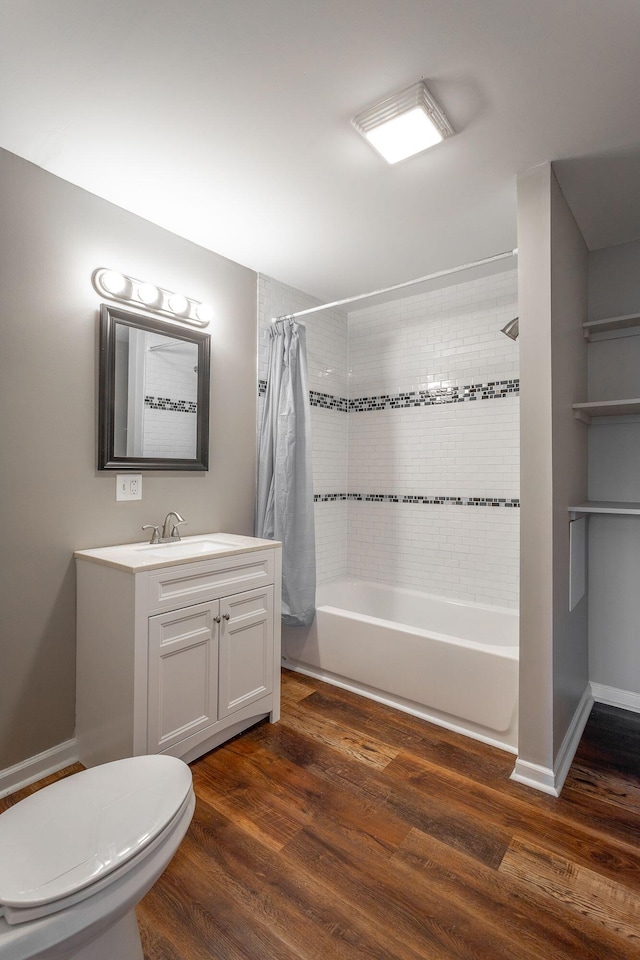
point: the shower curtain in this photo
(285, 486)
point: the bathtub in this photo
(452, 663)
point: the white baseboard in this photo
(549, 780)
(569, 745)
(536, 776)
(34, 768)
(625, 699)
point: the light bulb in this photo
(403, 136)
(113, 282)
(204, 312)
(178, 304)
(148, 293)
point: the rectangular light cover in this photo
(407, 123)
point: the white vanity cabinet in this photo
(176, 655)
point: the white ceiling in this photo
(228, 122)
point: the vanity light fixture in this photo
(117, 286)
(404, 124)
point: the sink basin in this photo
(183, 548)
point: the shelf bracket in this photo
(583, 417)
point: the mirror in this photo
(153, 409)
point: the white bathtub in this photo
(453, 663)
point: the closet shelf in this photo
(612, 323)
(606, 506)
(605, 408)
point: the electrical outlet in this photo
(129, 486)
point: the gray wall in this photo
(569, 268)
(53, 500)
(552, 276)
(614, 281)
(614, 474)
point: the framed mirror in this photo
(153, 404)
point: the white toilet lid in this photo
(76, 831)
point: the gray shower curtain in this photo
(285, 485)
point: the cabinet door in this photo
(246, 649)
(183, 674)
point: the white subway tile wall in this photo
(436, 342)
(329, 450)
(331, 540)
(427, 344)
(468, 449)
(450, 336)
(464, 553)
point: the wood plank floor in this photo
(350, 831)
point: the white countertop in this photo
(138, 557)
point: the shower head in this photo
(512, 329)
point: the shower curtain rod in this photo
(399, 286)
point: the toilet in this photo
(77, 856)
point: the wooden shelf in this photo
(612, 323)
(605, 408)
(607, 506)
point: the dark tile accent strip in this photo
(493, 390)
(328, 402)
(425, 500)
(176, 406)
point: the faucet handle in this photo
(155, 536)
(175, 533)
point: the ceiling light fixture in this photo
(117, 286)
(405, 124)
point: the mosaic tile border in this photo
(328, 402)
(513, 502)
(493, 390)
(175, 406)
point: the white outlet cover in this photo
(129, 486)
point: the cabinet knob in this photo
(227, 616)
(217, 619)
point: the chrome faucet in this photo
(170, 532)
(169, 529)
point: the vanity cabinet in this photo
(206, 663)
(175, 657)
